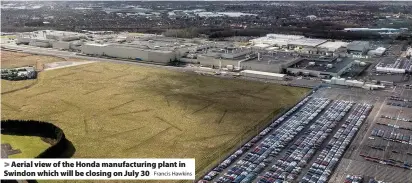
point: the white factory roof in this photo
(307, 42)
(282, 39)
(382, 49)
(96, 44)
(332, 46)
(358, 45)
(284, 36)
(272, 48)
(263, 73)
(370, 29)
(261, 45)
(379, 50)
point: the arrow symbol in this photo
(6, 164)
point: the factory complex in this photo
(400, 66)
(326, 67)
(273, 53)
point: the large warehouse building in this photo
(300, 44)
(128, 51)
(62, 40)
(152, 48)
(326, 67)
(358, 47)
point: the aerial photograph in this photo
(254, 91)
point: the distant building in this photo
(311, 17)
(358, 47)
(398, 66)
(49, 38)
(263, 75)
(325, 67)
(354, 83)
(299, 44)
(377, 30)
(377, 52)
(129, 51)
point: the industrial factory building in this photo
(279, 41)
(128, 51)
(61, 40)
(358, 47)
(150, 48)
(274, 53)
(354, 83)
(300, 44)
(377, 52)
(396, 66)
(325, 67)
(263, 75)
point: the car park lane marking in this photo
(393, 130)
(374, 120)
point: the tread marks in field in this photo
(221, 117)
(46, 114)
(122, 133)
(252, 96)
(132, 112)
(86, 129)
(120, 76)
(63, 75)
(148, 139)
(163, 120)
(22, 88)
(262, 89)
(95, 90)
(120, 105)
(13, 108)
(209, 137)
(86, 70)
(203, 108)
(41, 93)
(70, 104)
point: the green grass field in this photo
(8, 37)
(30, 147)
(125, 111)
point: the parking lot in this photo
(383, 150)
(305, 144)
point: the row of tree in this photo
(320, 33)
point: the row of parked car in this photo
(240, 174)
(396, 118)
(392, 136)
(397, 98)
(360, 179)
(390, 162)
(353, 179)
(399, 104)
(329, 157)
(255, 161)
(290, 165)
(394, 126)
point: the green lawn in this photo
(29, 146)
